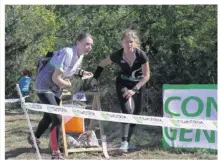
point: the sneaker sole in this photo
(122, 150)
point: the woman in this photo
(134, 73)
(50, 82)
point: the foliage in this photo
(180, 40)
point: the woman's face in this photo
(128, 43)
(85, 46)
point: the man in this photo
(25, 82)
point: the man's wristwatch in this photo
(135, 89)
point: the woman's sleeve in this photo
(61, 60)
(115, 57)
(144, 57)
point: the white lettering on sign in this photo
(79, 96)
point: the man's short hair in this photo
(26, 72)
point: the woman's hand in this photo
(68, 83)
(94, 82)
(128, 93)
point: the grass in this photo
(147, 139)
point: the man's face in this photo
(85, 46)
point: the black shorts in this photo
(137, 97)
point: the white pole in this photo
(28, 119)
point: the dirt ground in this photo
(146, 138)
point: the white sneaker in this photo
(123, 146)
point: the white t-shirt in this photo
(67, 61)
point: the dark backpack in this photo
(43, 61)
